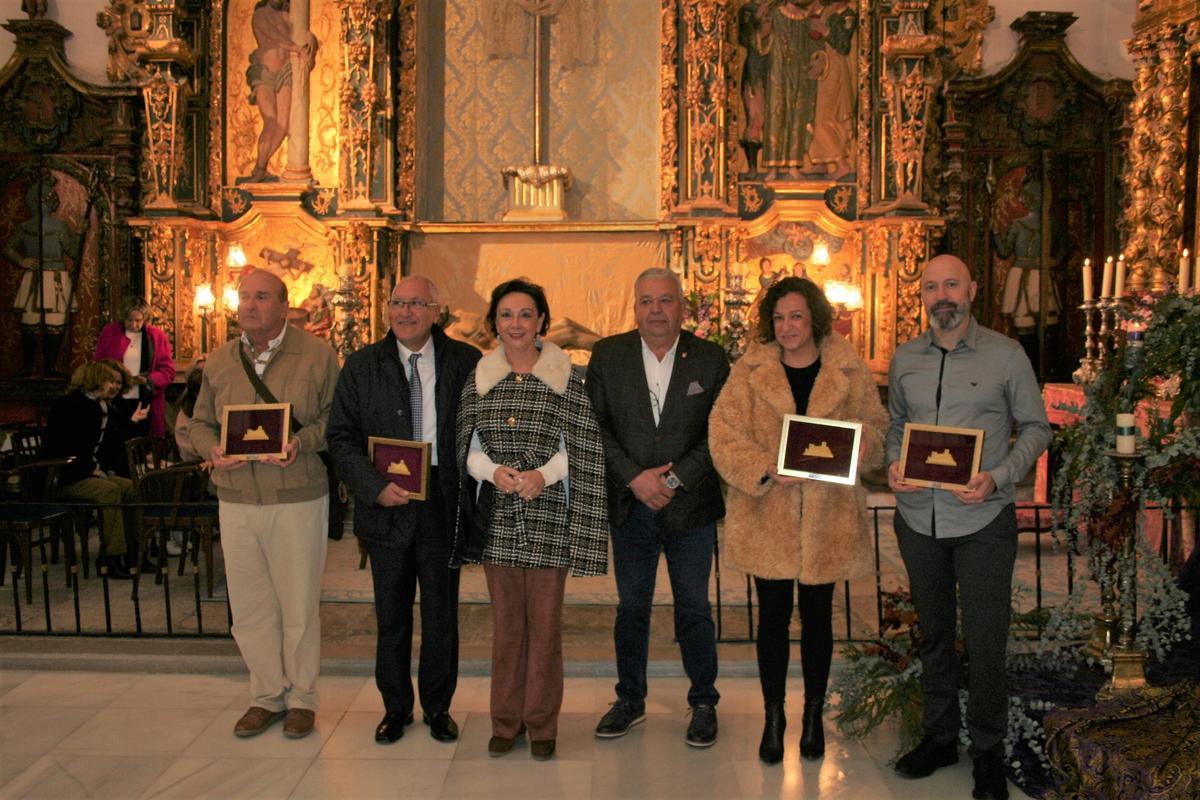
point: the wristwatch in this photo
(673, 481)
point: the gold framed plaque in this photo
(256, 432)
(403, 462)
(939, 456)
(819, 449)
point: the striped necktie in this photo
(414, 393)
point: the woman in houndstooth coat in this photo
(525, 426)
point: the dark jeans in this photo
(636, 547)
(816, 636)
(981, 566)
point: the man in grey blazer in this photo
(652, 389)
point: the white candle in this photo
(1185, 266)
(1106, 281)
(1119, 289)
(1126, 433)
(1087, 280)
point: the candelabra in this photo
(1128, 661)
(1089, 366)
(345, 304)
(737, 318)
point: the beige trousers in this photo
(274, 560)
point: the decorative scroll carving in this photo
(125, 40)
(406, 111)
(912, 248)
(363, 26)
(960, 25)
(708, 251)
(669, 96)
(163, 95)
(907, 91)
(216, 105)
(159, 243)
(705, 168)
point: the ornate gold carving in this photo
(362, 29)
(708, 250)
(159, 247)
(669, 96)
(216, 103)
(163, 93)
(962, 23)
(907, 93)
(124, 40)
(1154, 170)
(705, 168)
(406, 111)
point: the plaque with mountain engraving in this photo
(256, 432)
(939, 456)
(403, 462)
(819, 449)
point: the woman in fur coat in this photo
(787, 530)
(525, 425)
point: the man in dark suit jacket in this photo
(652, 390)
(408, 541)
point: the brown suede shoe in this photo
(256, 720)
(542, 749)
(299, 723)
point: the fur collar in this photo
(553, 368)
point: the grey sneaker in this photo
(619, 719)
(702, 730)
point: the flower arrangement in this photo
(703, 316)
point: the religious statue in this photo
(810, 85)
(318, 311)
(767, 274)
(754, 78)
(270, 78)
(1017, 233)
(42, 246)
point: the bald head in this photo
(947, 291)
(262, 306)
(418, 282)
(412, 311)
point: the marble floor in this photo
(145, 735)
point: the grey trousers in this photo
(980, 565)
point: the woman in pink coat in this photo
(146, 353)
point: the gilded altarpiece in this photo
(1033, 188)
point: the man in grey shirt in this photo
(961, 374)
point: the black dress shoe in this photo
(392, 727)
(442, 726)
(990, 783)
(927, 757)
(619, 719)
(702, 730)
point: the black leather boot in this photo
(770, 750)
(812, 732)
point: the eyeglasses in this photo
(415, 305)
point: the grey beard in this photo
(947, 320)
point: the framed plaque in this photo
(820, 449)
(256, 432)
(402, 462)
(940, 457)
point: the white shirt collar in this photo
(426, 351)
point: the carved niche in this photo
(1032, 187)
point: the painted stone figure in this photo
(829, 148)
(754, 77)
(42, 246)
(786, 34)
(270, 77)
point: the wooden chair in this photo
(144, 453)
(176, 498)
(35, 511)
(27, 444)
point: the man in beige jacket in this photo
(274, 513)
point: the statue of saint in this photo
(42, 246)
(270, 77)
(319, 312)
(788, 36)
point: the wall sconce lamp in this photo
(235, 259)
(846, 298)
(820, 253)
(205, 303)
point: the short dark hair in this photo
(523, 286)
(818, 307)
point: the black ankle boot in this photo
(770, 750)
(812, 732)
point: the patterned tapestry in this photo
(603, 116)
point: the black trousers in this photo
(816, 636)
(396, 571)
(974, 571)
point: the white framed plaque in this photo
(819, 449)
(257, 431)
(940, 456)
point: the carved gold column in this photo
(364, 24)
(669, 92)
(706, 51)
(298, 170)
(406, 110)
(216, 104)
(907, 91)
(1143, 148)
(160, 243)
(164, 89)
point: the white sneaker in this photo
(175, 543)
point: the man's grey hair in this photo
(659, 272)
(429, 284)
